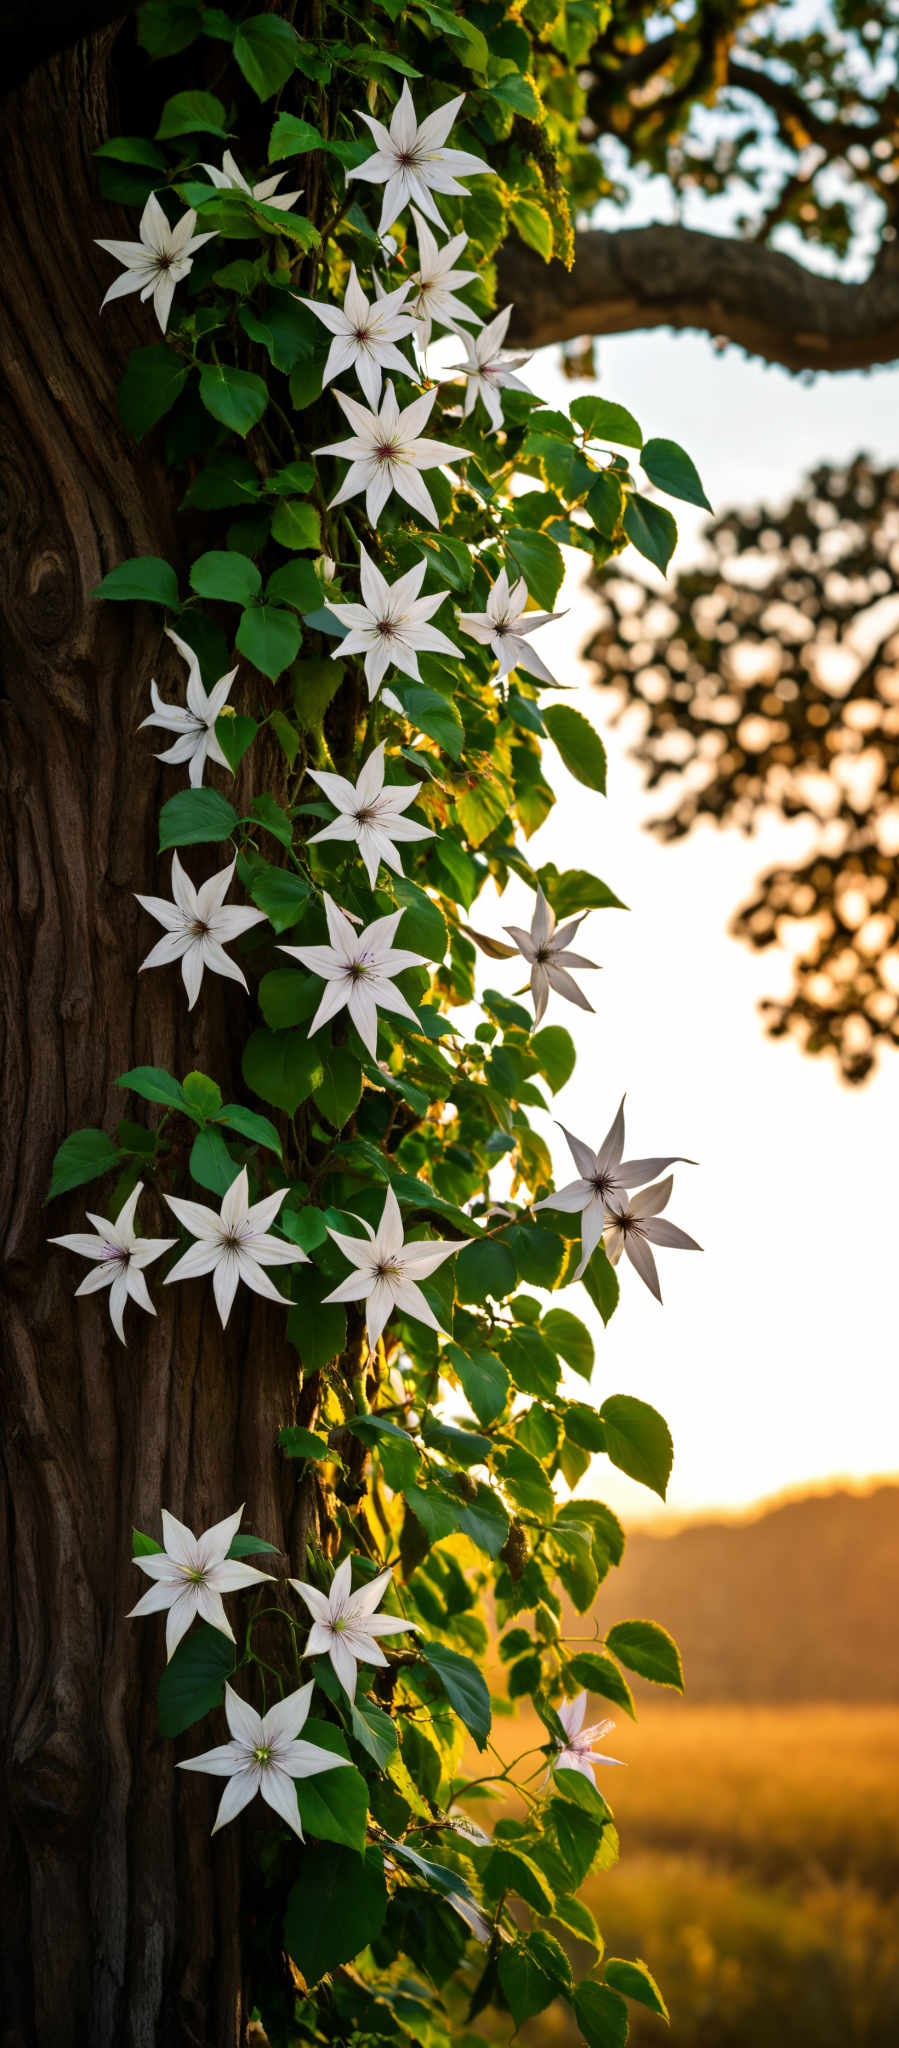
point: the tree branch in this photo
(627, 279)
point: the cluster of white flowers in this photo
(190, 1573)
(627, 1222)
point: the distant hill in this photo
(800, 1603)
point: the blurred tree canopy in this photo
(770, 684)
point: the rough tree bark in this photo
(121, 1921)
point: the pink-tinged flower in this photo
(196, 742)
(411, 162)
(605, 1178)
(387, 1269)
(345, 1624)
(365, 334)
(489, 369)
(435, 283)
(190, 1575)
(231, 179)
(634, 1223)
(391, 626)
(370, 814)
(504, 627)
(264, 1754)
(159, 261)
(357, 969)
(234, 1244)
(387, 453)
(546, 951)
(120, 1257)
(578, 1753)
(198, 928)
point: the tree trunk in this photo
(122, 1918)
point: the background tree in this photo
(770, 685)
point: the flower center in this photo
(387, 1270)
(365, 816)
(198, 930)
(386, 451)
(194, 1574)
(361, 334)
(262, 1754)
(358, 970)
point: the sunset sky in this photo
(774, 1355)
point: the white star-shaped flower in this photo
(545, 949)
(191, 1574)
(577, 1753)
(390, 627)
(365, 335)
(387, 453)
(159, 261)
(605, 1177)
(195, 726)
(633, 1224)
(411, 162)
(233, 1244)
(370, 814)
(386, 1269)
(489, 368)
(435, 284)
(120, 1259)
(345, 1624)
(263, 1756)
(357, 969)
(198, 927)
(231, 179)
(504, 625)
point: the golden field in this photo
(759, 1876)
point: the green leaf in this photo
(303, 1443)
(236, 398)
(334, 1804)
(296, 583)
(203, 1095)
(577, 890)
(374, 1730)
(211, 1164)
(599, 1675)
(524, 1478)
(192, 113)
(283, 1067)
(580, 746)
(155, 1085)
(485, 1268)
(644, 1647)
(637, 1982)
(249, 1124)
(638, 1441)
(270, 638)
(144, 1546)
(570, 1339)
(340, 1093)
(431, 714)
(534, 225)
(266, 812)
(601, 1282)
(601, 2015)
(317, 1332)
(145, 577)
(464, 1687)
(266, 49)
(554, 1048)
(287, 997)
(670, 469)
(652, 528)
(292, 137)
(281, 893)
(527, 1984)
(296, 524)
(484, 1381)
(508, 1869)
(602, 420)
(154, 377)
(193, 1682)
(226, 574)
(537, 558)
(519, 94)
(605, 502)
(244, 1545)
(336, 1906)
(422, 927)
(195, 816)
(83, 1156)
(166, 26)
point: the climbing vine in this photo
(356, 725)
